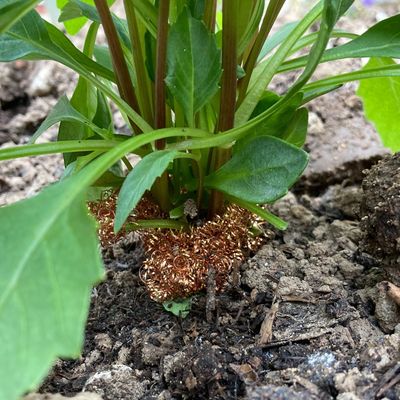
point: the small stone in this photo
(349, 269)
(118, 383)
(103, 342)
(293, 286)
(41, 83)
(324, 289)
(387, 311)
(350, 229)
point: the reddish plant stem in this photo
(160, 189)
(120, 66)
(228, 93)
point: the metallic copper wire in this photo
(218, 243)
(177, 262)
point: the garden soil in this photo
(311, 315)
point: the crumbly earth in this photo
(329, 339)
(308, 319)
(380, 208)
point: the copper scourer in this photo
(177, 262)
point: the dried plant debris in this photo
(177, 262)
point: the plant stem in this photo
(137, 51)
(261, 212)
(160, 189)
(161, 66)
(268, 70)
(273, 9)
(67, 146)
(210, 13)
(156, 224)
(228, 92)
(120, 66)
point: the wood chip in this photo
(245, 372)
(267, 325)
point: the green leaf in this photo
(33, 38)
(266, 215)
(381, 99)
(103, 56)
(250, 12)
(262, 172)
(268, 99)
(83, 100)
(276, 39)
(279, 124)
(12, 11)
(194, 64)
(309, 95)
(63, 111)
(326, 84)
(103, 117)
(68, 146)
(138, 181)
(197, 8)
(150, 45)
(74, 20)
(381, 40)
(148, 14)
(296, 130)
(77, 8)
(49, 262)
(47, 269)
(179, 307)
(333, 10)
(265, 76)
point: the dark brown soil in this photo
(380, 208)
(380, 215)
(326, 337)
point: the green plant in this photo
(194, 93)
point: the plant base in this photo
(178, 262)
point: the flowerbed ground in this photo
(307, 318)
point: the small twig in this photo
(391, 378)
(267, 325)
(211, 291)
(239, 313)
(298, 338)
(235, 274)
(297, 299)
